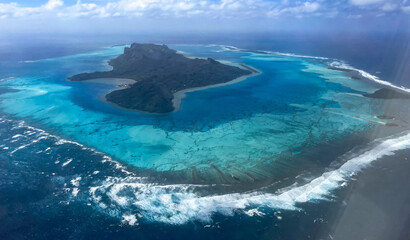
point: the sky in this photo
(17, 16)
(371, 34)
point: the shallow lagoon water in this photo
(225, 136)
(292, 103)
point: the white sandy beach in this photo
(121, 83)
(178, 96)
(118, 82)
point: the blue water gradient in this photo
(256, 151)
(295, 102)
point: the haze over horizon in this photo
(204, 119)
(213, 16)
(370, 34)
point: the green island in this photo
(159, 73)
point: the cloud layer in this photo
(205, 8)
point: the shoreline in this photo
(112, 81)
(362, 75)
(118, 84)
(180, 95)
(177, 96)
(354, 73)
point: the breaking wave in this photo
(235, 49)
(368, 75)
(296, 55)
(6, 79)
(125, 195)
(337, 64)
(132, 198)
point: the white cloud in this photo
(84, 10)
(53, 4)
(354, 16)
(364, 2)
(388, 7)
(406, 9)
(15, 10)
(215, 9)
(298, 11)
(306, 7)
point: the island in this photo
(387, 93)
(382, 93)
(159, 73)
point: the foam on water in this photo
(334, 63)
(178, 204)
(235, 49)
(298, 56)
(255, 137)
(367, 75)
(246, 139)
(6, 79)
(66, 163)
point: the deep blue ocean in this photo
(271, 157)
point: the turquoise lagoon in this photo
(224, 151)
(235, 130)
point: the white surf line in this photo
(177, 205)
(333, 64)
(26, 145)
(235, 49)
(368, 75)
(67, 162)
(322, 185)
(6, 79)
(296, 55)
(60, 141)
(355, 165)
(29, 61)
(376, 79)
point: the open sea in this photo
(280, 155)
